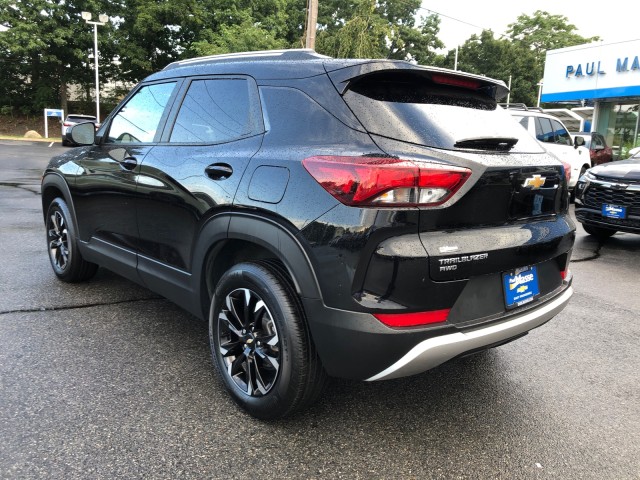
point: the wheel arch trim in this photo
(55, 180)
(263, 232)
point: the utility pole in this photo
(312, 21)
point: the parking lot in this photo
(107, 380)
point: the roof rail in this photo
(290, 54)
(519, 106)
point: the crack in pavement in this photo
(596, 254)
(77, 307)
(19, 186)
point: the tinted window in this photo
(598, 141)
(213, 111)
(524, 121)
(411, 108)
(561, 134)
(138, 120)
(72, 118)
(544, 131)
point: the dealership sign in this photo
(593, 71)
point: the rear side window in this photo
(138, 120)
(411, 108)
(214, 111)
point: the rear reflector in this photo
(413, 319)
(385, 181)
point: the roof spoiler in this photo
(342, 77)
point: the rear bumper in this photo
(434, 351)
(356, 345)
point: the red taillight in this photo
(413, 319)
(67, 124)
(567, 170)
(384, 181)
(455, 81)
(565, 273)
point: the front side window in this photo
(561, 134)
(214, 111)
(138, 120)
(544, 131)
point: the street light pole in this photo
(86, 16)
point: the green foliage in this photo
(499, 58)
(362, 36)
(544, 31)
(47, 46)
(244, 37)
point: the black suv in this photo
(366, 219)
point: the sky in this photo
(612, 20)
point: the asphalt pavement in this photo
(107, 380)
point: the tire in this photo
(260, 342)
(599, 232)
(62, 245)
(65, 143)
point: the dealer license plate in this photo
(520, 286)
(614, 211)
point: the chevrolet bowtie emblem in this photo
(534, 182)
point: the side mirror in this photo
(578, 142)
(82, 134)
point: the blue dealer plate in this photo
(614, 211)
(520, 287)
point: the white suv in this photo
(555, 138)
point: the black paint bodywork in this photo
(614, 183)
(183, 214)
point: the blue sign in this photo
(520, 287)
(53, 112)
(614, 211)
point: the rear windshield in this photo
(73, 118)
(413, 109)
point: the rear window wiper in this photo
(502, 144)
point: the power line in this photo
(452, 18)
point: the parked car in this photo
(74, 119)
(599, 151)
(554, 136)
(608, 198)
(365, 219)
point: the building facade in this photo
(605, 75)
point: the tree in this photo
(46, 47)
(362, 36)
(370, 29)
(499, 58)
(544, 31)
(540, 33)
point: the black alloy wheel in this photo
(248, 342)
(66, 259)
(260, 342)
